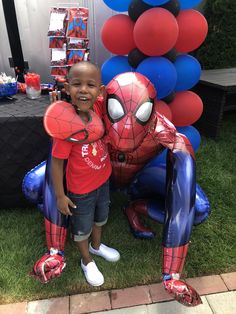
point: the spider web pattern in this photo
(55, 235)
(61, 121)
(129, 130)
(55, 122)
(173, 259)
(133, 144)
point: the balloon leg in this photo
(51, 264)
(133, 212)
(173, 262)
(55, 235)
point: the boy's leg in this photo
(92, 274)
(100, 219)
(81, 227)
(84, 251)
(96, 236)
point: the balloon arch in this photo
(156, 39)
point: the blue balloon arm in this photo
(50, 210)
(38, 188)
(180, 198)
(32, 185)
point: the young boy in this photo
(87, 175)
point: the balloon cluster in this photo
(155, 39)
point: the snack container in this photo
(8, 89)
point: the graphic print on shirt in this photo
(94, 151)
(94, 154)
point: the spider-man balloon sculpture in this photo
(136, 134)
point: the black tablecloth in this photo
(23, 145)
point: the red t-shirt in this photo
(88, 165)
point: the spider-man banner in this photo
(77, 23)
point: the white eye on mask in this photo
(144, 112)
(115, 109)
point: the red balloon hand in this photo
(182, 292)
(49, 266)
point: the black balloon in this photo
(173, 6)
(135, 57)
(136, 8)
(171, 55)
(169, 98)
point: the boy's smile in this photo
(83, 103)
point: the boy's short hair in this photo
(70, 73)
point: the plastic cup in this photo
(33, 87)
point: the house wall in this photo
(5, 50)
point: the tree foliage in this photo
(219, 48)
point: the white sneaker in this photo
(109, 254)
(92, 274)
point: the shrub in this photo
(219, 48)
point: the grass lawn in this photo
(212, 249)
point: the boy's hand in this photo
(63, 204)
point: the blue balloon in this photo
(161, 72)
(114, 66)
(155, 2)
(188, 4)
(151, 179)
(192, 134)
(118, 5)
(188, 72)
(158, 160)
(32, 185)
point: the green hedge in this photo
(219, 48)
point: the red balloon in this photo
(193, 29)
(186, 108)
(163, 108)
(117, 34)
(156, 32)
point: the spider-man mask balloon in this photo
(129, 110)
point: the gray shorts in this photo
(91, 208)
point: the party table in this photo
(217, 89)
(23, 144)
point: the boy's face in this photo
(84, 86)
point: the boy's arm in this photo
(63, 202)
